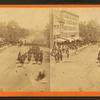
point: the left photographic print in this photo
(24, 50)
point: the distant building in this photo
(65, 25)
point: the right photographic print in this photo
(75, 49)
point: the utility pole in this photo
(51, 28)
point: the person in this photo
(29, 57)
(98, 56)
(75, 47)
(60, 54)
(63, 48)
(41, 75)
(56, 56)
(19, 56)
(53, 52)
(41, 56)
(36, 56)
(22, 59)
(67, 51)
(24, 56)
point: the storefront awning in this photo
(59, 40)
(70, 39)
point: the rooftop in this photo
(70, 13)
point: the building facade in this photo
(65, 24)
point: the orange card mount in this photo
(48, 94)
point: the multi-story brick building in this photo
(65, 25)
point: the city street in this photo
(80, 72)
(14, 77)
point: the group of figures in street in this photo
(64, 48)
(34, 53)
(58, 50)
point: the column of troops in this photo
(33, 53)
(58, 50)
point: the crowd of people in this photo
(58, 50)
(33, 54)
(63, 48)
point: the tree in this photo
(83, 30)
(89, 31)
(15, 32)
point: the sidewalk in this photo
(73, 52)
(4, 47)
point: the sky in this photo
(31, 18)
(38, 18)
(86, 14)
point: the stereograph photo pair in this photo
(50, 49)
